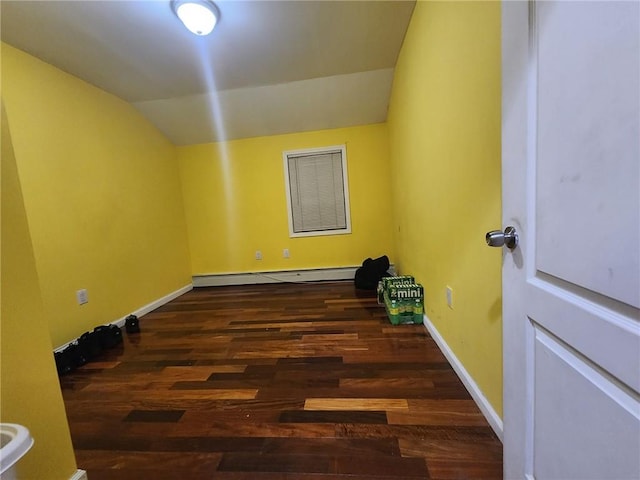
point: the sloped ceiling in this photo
(269, 67)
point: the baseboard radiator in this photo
(280, 276)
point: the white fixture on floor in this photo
(15, 441)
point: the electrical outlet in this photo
(82, 296)
(285, 253)
(258, 255)
(449, 292)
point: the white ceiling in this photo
(269, 67)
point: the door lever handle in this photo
(508, 238)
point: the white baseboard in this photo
(485, 407)
(79, 475)
(155, 304)
(140, 311)
(282, 276)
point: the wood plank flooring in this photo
(276, 382)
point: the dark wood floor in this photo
(276, 382)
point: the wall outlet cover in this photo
(82, 296)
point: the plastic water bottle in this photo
(418, 311)
(393, 309)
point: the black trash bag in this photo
(370, 273)
(132, 324)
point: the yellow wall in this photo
(102, 196)
(444, 128)
(235, 202)
(29, 389)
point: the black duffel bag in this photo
(109, 335)
(64, 363)
(90, 344)
(70, 358)
(78, 356)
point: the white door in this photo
(571, 288)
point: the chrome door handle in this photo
(509, 237)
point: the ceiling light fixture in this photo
(199, 16)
